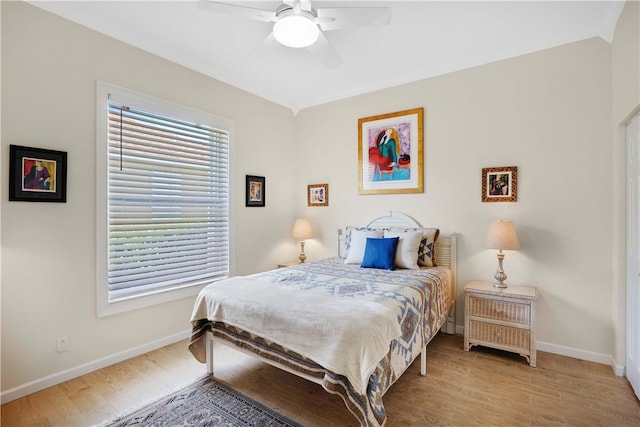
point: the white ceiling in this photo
(424, 39)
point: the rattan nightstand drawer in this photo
(500, 310)
(500, 336)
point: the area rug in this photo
(203, 404)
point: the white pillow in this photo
(408, 245)
(358, 243)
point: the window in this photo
(163, 200)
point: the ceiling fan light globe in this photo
(296, 31)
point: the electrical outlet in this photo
(63, 344)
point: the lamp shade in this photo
(502, 235)
(301, 229)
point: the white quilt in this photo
(349, 338)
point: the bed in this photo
(353, 330)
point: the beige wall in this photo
(49, 71)
(547, 113)
(625, 66)
(550, 113)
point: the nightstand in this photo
(288, 263)
(501, 318)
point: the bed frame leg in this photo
(423, 361)
(449, 327)
(209, 352)
(451, 322)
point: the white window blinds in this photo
(167, 201)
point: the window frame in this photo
(106, 306)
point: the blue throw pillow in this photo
(380, 253)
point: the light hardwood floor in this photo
(482, 387)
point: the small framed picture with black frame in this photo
(255, 191)
(37, 175)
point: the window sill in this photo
(137, 302)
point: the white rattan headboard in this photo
(445, 249)
(389, 219)
(445, 245)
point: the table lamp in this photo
(301, 231)
(501, 235)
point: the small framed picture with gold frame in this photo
(318, 195)
(500, 184)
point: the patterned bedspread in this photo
(420, 300)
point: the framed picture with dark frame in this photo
(255, 191)
(500, 184)
(318, 195)
(37, 175)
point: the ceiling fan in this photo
(298, 25)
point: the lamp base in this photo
(302, 257)
(500, 276)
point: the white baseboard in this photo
(605, 359)
(619, 370)
(60, 377)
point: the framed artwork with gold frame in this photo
(500, 184)
(390, 153)
(318, 195)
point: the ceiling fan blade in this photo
(325, 52)
(237, 10)
(349, 17)
(263, 50)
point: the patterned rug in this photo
(203, 404)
